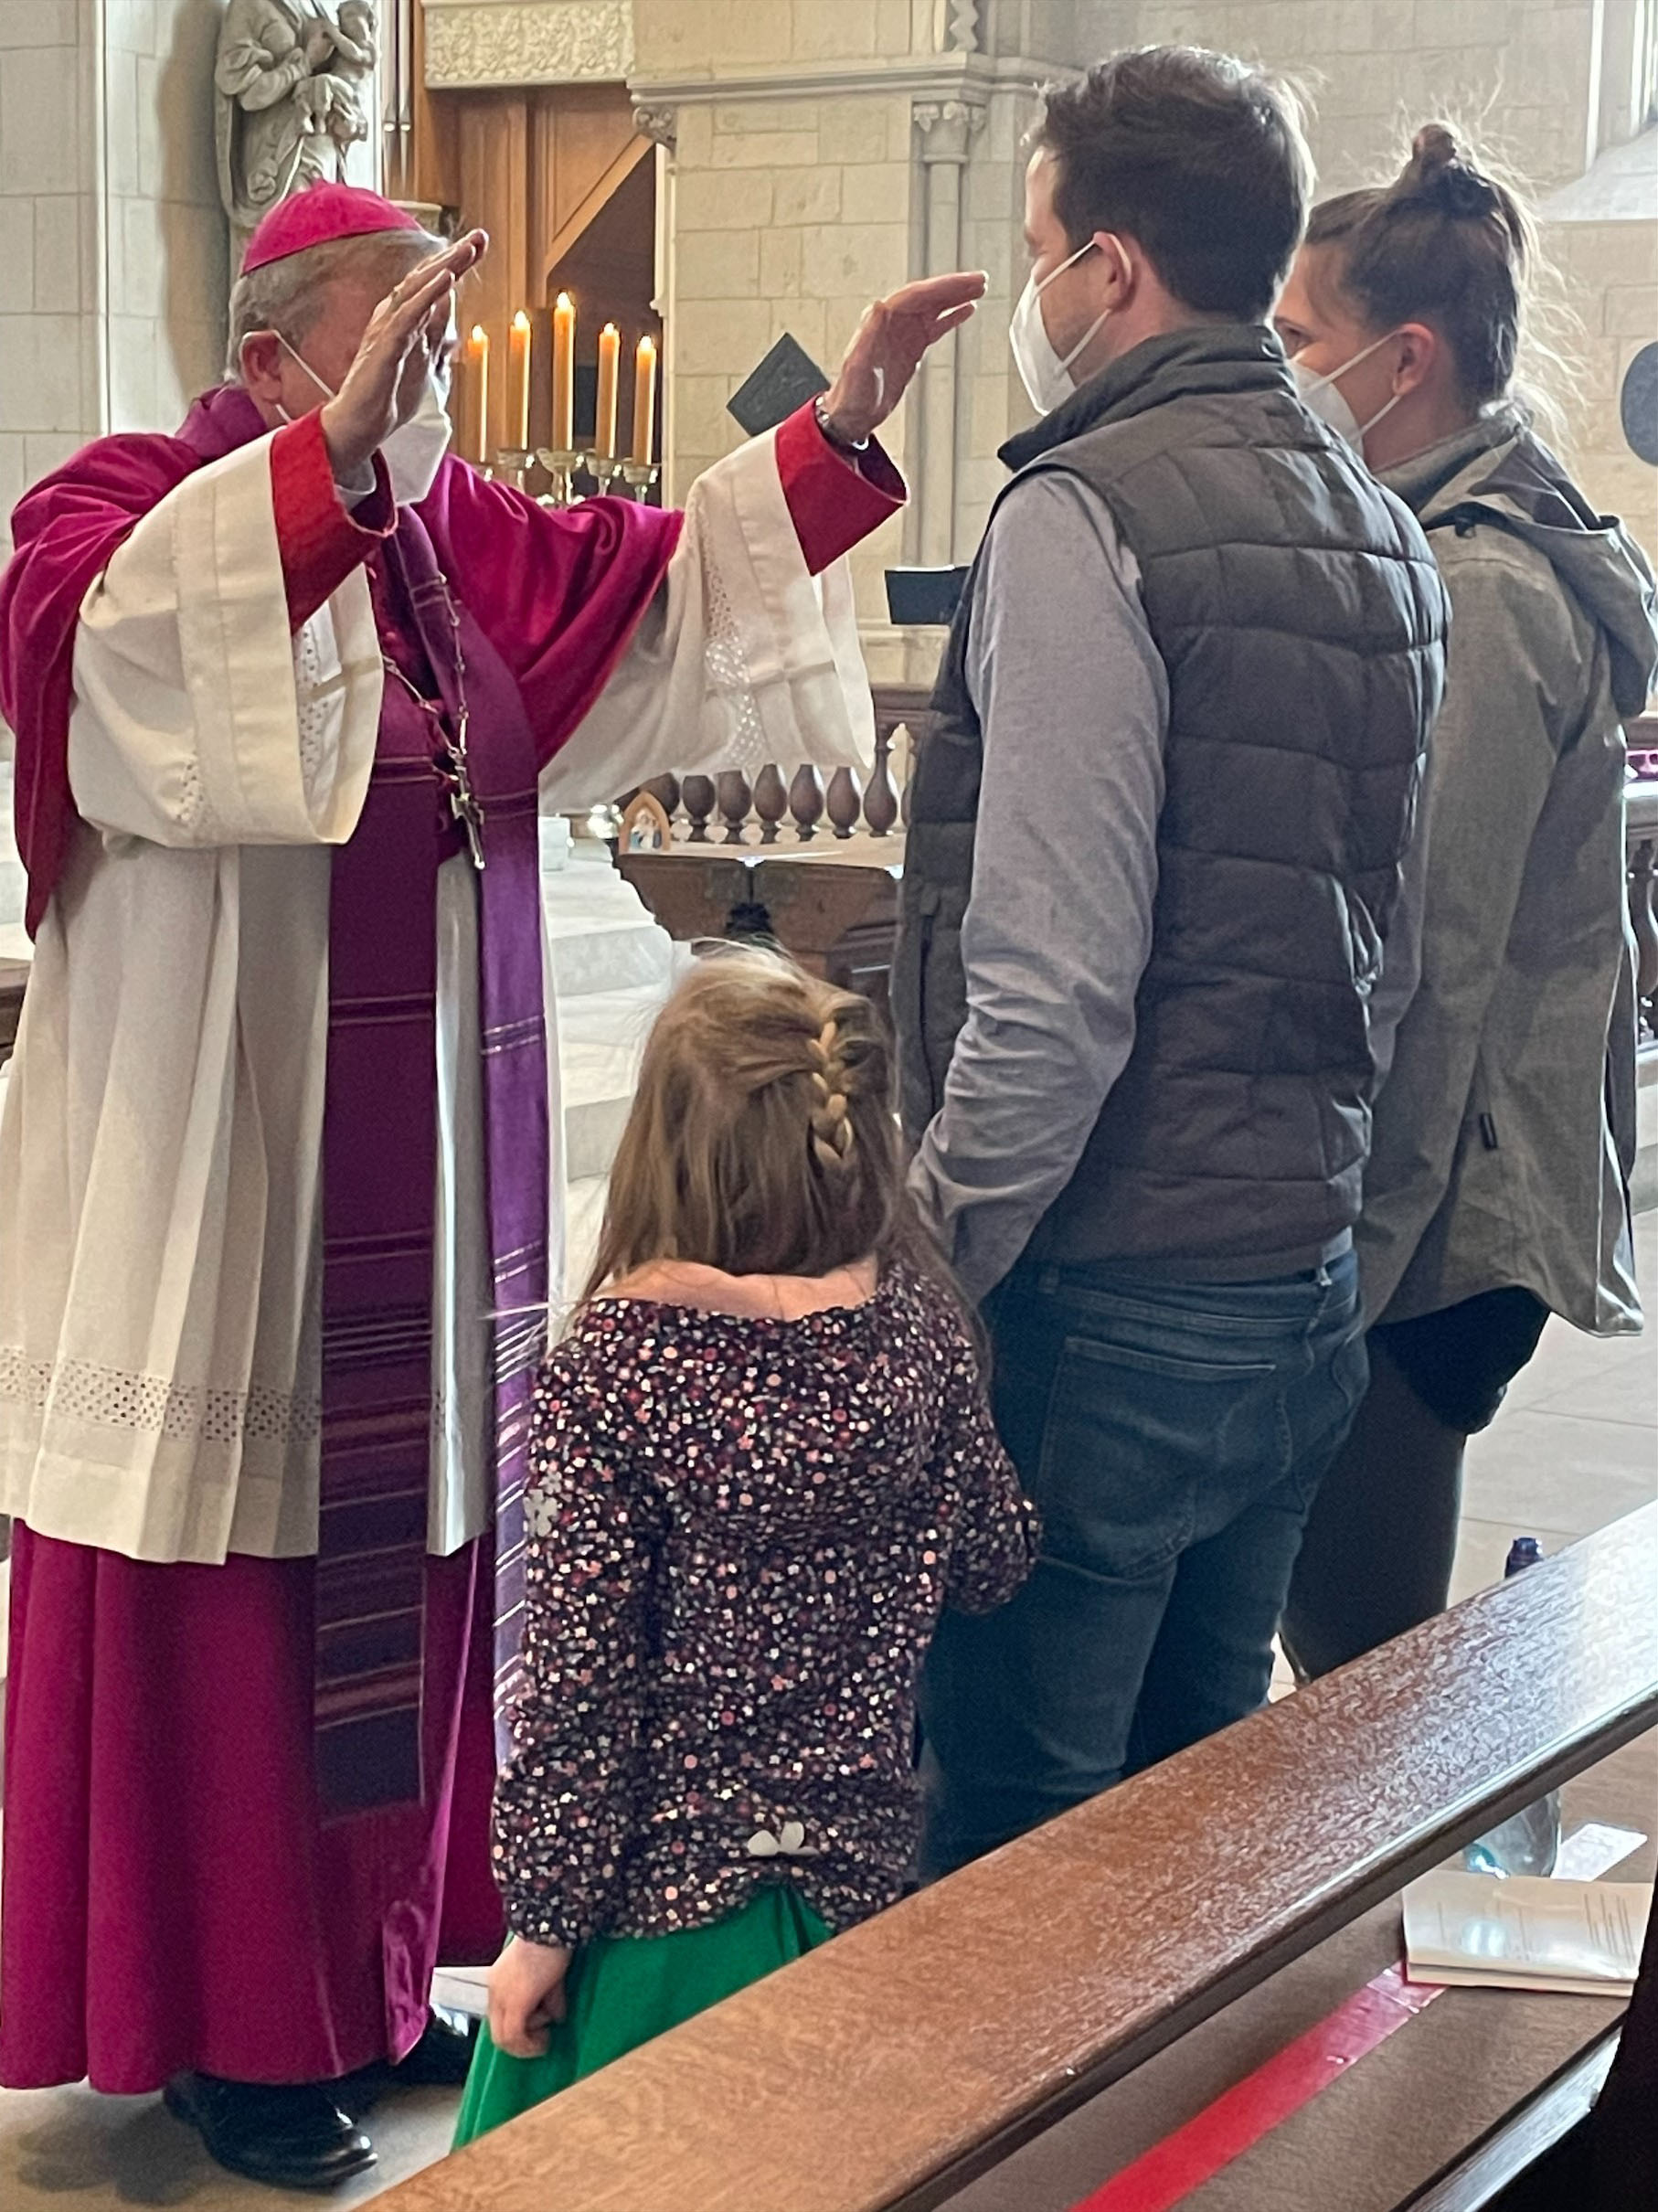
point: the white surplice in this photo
(160, 1151)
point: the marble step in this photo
(595, 955)
(601, 936)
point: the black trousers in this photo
(1379, 1544)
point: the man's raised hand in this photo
(888, 349)
(382, 386)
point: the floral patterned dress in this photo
(743, 1532)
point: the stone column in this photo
(946, 128)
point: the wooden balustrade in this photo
(838, 920)
(734, 809)
(885, 2071)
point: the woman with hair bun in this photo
(1496, 1192)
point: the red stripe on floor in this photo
(1170, 2170)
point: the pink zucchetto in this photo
(315, 217)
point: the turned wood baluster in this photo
(881, 799)
(735, 796)
(666, 789)
(698, 794)
(1643, 866)
(771, 801)
(845, 801)
(806, 801)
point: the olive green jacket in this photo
(1504, 1133)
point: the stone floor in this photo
(1576, 1448)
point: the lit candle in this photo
(604, 423)
(564, 374)
(477, 367)
(645, 400)
(517, 381)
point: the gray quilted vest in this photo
(1299, 612)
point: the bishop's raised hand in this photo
(405, 333)
(887, 351)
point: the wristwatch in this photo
(841, 442)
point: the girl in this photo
(1496, 1192)
(763, 1463)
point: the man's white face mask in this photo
(1047, 378)
(415, 450)
(1319, 393)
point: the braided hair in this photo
(762, 1138)
(832, 1134)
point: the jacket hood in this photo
(1499, 476)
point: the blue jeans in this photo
(1174, 1436)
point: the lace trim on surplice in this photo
(114, 1397)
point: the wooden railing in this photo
(885, 2071)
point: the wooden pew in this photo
(890, 2068)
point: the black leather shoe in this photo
(442, 2060)
(291, 2138)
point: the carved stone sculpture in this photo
(290, 89)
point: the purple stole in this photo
(379, 1168)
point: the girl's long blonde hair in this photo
(762, 1139)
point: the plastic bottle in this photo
(1527, 1842)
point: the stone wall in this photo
(790, 215)
(1518, 68)
(165, 226)
(1606, 257)
(50, 353)
(822, 155)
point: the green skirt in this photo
(623, 1990)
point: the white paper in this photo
(462, 1989)
(1524, 1932)
(1593, 1850)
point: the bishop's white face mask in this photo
(1319, 394)
(414, 452)
(1046, 377)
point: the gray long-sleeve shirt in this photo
(1073, 699)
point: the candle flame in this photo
(610, 331)
(564, 300)
(521, 321)
(480, 337)
(647, 344)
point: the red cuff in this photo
(320, 542)
(834, 499)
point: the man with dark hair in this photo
(1155, 847)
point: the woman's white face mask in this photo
(415, 450)
(1319, 393)
(1046, 377)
